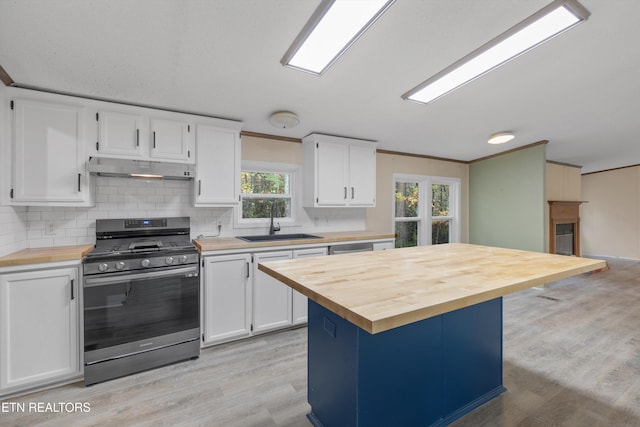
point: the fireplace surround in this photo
(564, 227)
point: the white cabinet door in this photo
(170, 140)
(122, 134)
(383, 246)
(217, 167)
(226, 298)
(338, 172)
(271, 298)
(48, 149)
(362, 175)
(331, 174)
(300, 312)
(39, 333)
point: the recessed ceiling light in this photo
(331, 30)
(284, 119)
(545, 24)
(501, 138)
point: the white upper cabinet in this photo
(362, 174)
(339, 172)
(170, 139)
(121, 134)
(217, 180)
(129, 132)
(48, 144)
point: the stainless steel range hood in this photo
(140, 169)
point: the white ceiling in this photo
(580, 91)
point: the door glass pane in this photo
(440, 232)
(406, 234)
(406, 199)
(439, 200)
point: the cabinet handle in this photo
(154, 139)
(79, 178)
(199, 187)
(72, 294)
(137, 137)
(345, 193)
(353, 193)
(247, 270)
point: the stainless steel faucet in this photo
(273, 228)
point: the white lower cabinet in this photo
(39, 328)
(300, 312)
(226, 298)
(240, 301)
(272, 299)
(385, 245)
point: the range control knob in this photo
(120, 265)
(145, 263)
(103, 267)
(168, 260)
(183, 258)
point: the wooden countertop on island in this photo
(378, 291)
(43, 255)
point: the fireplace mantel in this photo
(564, 213)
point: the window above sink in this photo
(267, 189)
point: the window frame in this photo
(425, 198)
(268, 167)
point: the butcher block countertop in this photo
(41, 255)
(378, 291)
(227, 243)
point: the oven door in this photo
(130, 313)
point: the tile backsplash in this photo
(13, 229)
(34, 227)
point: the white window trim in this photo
(269, 167)
(424, 217)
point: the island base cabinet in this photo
(39, 329)
(426, 373)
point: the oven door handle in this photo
(101, 281)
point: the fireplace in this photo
(564, 227)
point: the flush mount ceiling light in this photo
(284, 119)
(332, 29)
(501, 138)
(545, 24)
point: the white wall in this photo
(610, 224)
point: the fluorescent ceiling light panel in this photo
(545, 24)
(331, 30)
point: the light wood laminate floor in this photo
(571, 358)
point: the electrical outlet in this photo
(49, 229)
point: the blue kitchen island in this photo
(411, 337)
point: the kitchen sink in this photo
(274, 237)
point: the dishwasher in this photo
(350, 248)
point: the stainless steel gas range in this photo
(141, 297)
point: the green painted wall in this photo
(507, 200)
